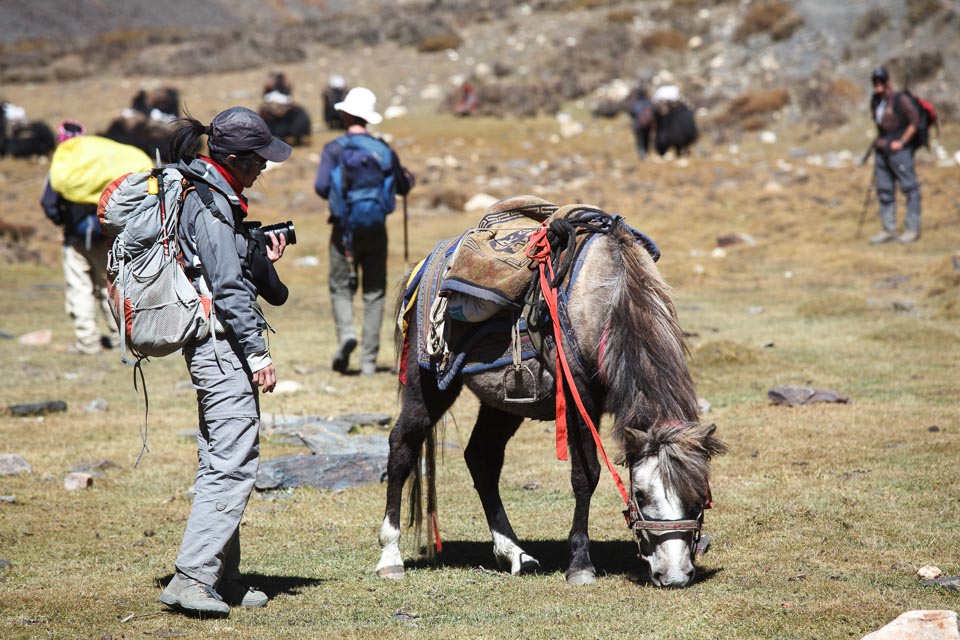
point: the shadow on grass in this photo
(610, 557)
(270, 585)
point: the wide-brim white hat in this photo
(360, 102)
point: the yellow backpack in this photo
(83, 166)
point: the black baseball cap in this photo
(241, 130)
(880, 74)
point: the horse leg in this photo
(423, 406)
(484, 457)
(584, 476)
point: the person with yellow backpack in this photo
(81, 167)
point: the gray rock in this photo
(334, 472)
(365, 419)
(37, 408)
(5, 563)
(793, 396)
(96, 405)
(8, 499)
(95, 468)
(12, 464)
(951, 583)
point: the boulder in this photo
(793, 396)
(333, 472)
(37, 408)
(920, 625)
(75, 481)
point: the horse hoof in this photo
(582, 577)
(393, 573)
(528, 564)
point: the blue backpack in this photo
(362, 186)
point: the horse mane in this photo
(644, 356)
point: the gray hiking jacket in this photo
(219, 252)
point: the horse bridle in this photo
(638, 524)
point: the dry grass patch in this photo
(832, 304)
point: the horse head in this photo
(670, 488)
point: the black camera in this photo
(259, 233)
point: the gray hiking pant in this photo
(85, 274)
(891, 168)
(370, 259)
(228, 452)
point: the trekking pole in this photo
(406, 248)
(866, 204)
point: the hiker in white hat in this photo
(369, 170)
(360, 103)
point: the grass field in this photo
(823, 513)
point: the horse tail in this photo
(643, 355)
(425, 469)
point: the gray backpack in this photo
(157, 308)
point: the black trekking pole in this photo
(406, 249)
(866, 203)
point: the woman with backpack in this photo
(231, 366)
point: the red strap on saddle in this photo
(539, 250)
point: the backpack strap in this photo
(206, 196)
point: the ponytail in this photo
(186, 138)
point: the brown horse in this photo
(639, 374)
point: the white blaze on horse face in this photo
(669, 556)
(390, 543)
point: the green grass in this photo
(823, 513)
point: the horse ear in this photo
(713, 445)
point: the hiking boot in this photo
(236, 593)
(908, 236)
(188, 595)
(341, 359)
(883, 237)
(368, 368)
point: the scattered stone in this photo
(951, 583)
(929, 572)
(704, 406)
(37, 408)
(400, 614)
(768, 137)
(12, 464)
(8, 499)
(76, 481)
(96, 405)
(307, 261)
(793, 396)
(36, 338)
(933, 428)
(902, 305)
(363, 419)
(95, 468)
(288, 386)
(333, 472)
(920, 625)
(6, 336)
(479, 202)
(533, 485)
(755, 310)
(731, 239)
(4, 564)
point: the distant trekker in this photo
(897, 119)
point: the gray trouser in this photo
(890, 168)
(85, 274)
(370, 259)
(228, 451)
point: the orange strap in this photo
(539, 250)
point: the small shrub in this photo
(758, 103)
(621, 16)
(668, 39)
(918, 11)
(439, 42)
(768, 16)
(875, 19)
